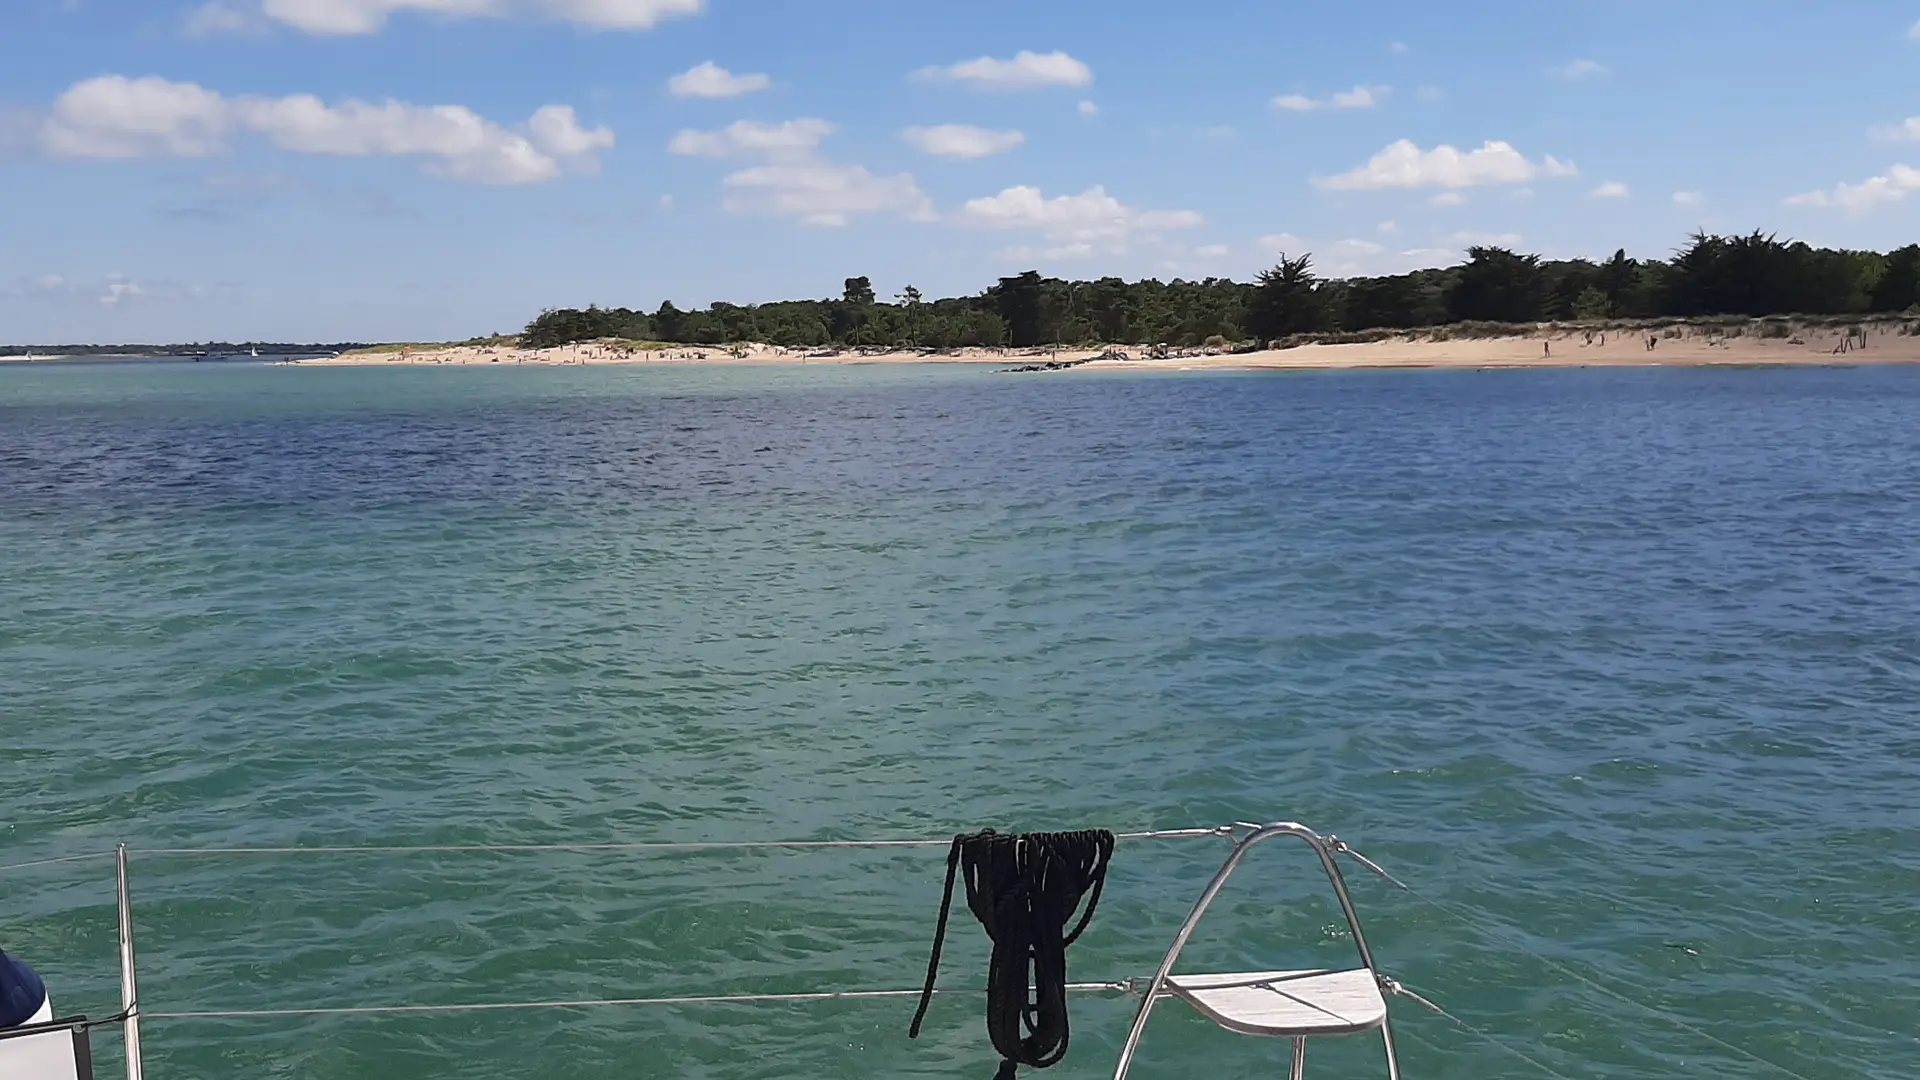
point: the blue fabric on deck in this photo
(21, 992)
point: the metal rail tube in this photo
(129, 992)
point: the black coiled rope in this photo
(1023, 889)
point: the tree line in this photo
(1753, 275)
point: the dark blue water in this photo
(1625, 665)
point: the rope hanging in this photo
(1024, 889)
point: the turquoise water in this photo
(1626, 664)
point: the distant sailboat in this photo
(254, 352)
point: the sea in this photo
(1618, 670)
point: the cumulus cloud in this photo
(710, 80)
(1612, 189)
(1468, 238)
(1088, 108)
(1360, 97)
(1580, 69)
(795, 181)
(1907, 130)
(1387, 228)
(556, 130)
(1355, 257)
(369, 16)
(1448, 198)
(823, 193)
(1026, 71)
(962, 140)
(214, 17)
(113, 292)
(1405, 165)
(1212, 251)
(790, 138)
(1688, 198)
(1074, 224)
(116, 117)
(1866, 196)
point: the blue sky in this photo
(425, 169)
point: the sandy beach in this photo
(1688, 346)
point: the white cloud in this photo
(1092, 218)
(557, 131)
(1212, 251)
(1448, 198)
(369, 16)
(1386, 228)
(795, 181)
(1355, 257)
(1688, 198)
(1026, 71)
(1399, 48)
(214, 17)
(1405, 165)
(1360, 97)
(1429, 93)
(1580, 69)
(116, 117)
(823, 193)
(710, 80)
(1913, 32)
(1351, 249)
(666, 202)
(962, 140)
(1088, 108)
(1467, 239)
(1612, 189)
(1282, 244)
(118, 291)
(1907, 130)
(1866, 196)
(791, 138)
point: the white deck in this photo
(1286, 1003)
(52, 1055)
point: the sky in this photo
(328, 170)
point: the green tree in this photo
(1285, 300)
(1899, 285)
(1498, 285)
(670, 322)
(1592, 304)
(1020, 303)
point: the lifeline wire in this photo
(1392, 986)
(1221, 831)
(1515, 943)
(714, 845)
(702, 999)
(50, 862)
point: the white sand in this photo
(1698, 347)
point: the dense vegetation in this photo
(1754, 275)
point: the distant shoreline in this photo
(1687, 347)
